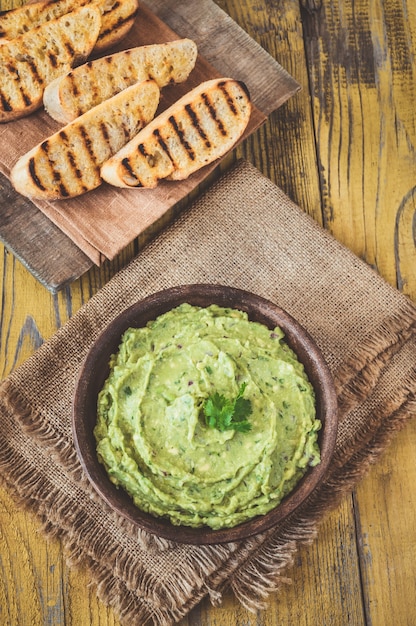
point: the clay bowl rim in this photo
(94, 370)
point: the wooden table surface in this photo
(344, 150)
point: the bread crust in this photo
(195, 131)
(67, 163)
(74, 93)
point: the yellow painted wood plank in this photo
(363, 82)
(386, 503)
(284, 148)
(31, 570)
(363, 85)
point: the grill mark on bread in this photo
(76, 171)
(141, 148)
(44, 146)
(229, 98)
(71, 156)
(74, 166)
(130, 172)
(5, 104)
(26, 99)
(69, 48)
(113, 7)
(181, 136)
(104, 132)
(53, 59)
(120, 22)
(34, 70)
(112, 81)
(75, 86)
(196, 124)
(34, 176)
(211, 109)
(244, 88)
(63, 190)
(162, 144)
(12, 69)
(87, 141)
(75, 89)
(130, 69)
(20, 92)
(54, 173)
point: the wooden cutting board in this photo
(225, 49)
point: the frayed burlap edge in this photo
(360, 372)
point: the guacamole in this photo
(155, 442)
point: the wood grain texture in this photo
(344, 149)
(386, 520)
(40, 245)
(362, 82)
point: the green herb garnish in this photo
(225, 414)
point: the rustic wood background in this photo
(344, 150)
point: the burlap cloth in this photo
(244, 232)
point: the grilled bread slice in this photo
(198, 129)
(31, 61)
(84, 87)
(67, 163)
(117, 18)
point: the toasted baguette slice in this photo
(67, 164)
(84, 87)
(29, 62)
(198, 129)
(117, 18)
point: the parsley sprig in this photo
(225, 414)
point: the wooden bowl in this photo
(95, 370)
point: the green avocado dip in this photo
(156, 442)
